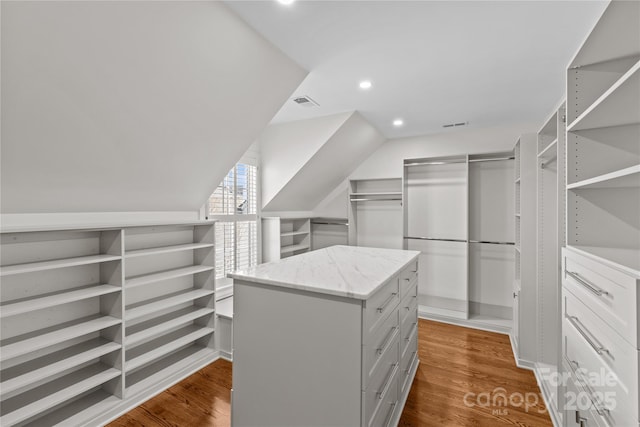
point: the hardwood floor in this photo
(462, 375)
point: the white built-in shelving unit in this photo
(550, 240)
(97, 320)
(601, 262)
(523, 334)
(284, 237)
(603, 148)
(375, 213)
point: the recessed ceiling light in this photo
(365, 84)
(286, 2)
(398, 122)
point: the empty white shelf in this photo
(166, 371)
(166, 275)
(224, 307)
(164, 302)
(293, 233)
(627, 260)
(549, 151)
(159, 326)
(31, 374)
(26, 305)
(31, 267)
(153, 350)
(24, 344)
(628, 177)
(293, 248)
(26, 405)
(166, 249)
(619, 105)
(80, 412)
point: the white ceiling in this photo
(431, 62)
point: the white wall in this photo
(286, 148)
(386, 162)
(331, 164)
(130, 106)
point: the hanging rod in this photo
(444, 162)
(330, 223)
(374, 200)
(435, 238)
(491, 160)
(491, 243)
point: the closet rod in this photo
(435, 238)
(491, 243)
(374, 200)
(330, 223)
(491, 160)
(444, 162)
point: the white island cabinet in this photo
(326, 338)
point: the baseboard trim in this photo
(226, 356)
(467, 323)
(553, 411)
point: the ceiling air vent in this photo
(305, 101)
(453, 125)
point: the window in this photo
(234, 205)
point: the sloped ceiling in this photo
(327, 167)
(130, 106)
(286, 148)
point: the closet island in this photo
(327, 337)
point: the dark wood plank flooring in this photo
(462, 375)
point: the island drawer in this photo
(380, 342)
(408, 277)
(383, 387)
(379, 306)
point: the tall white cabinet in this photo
(97, 320)
(601, 262)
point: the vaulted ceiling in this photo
(430, 62)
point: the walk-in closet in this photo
(306, 213)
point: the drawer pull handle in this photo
(413, 358)
(387, 341)
(588, 336)
(581, 421)
(413, 328)
(390, 416)
(387, 302)
(387, 384)
(602, 411)
(584, 282)
(408, 280)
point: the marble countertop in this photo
(348, 271)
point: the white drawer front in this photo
(379, 306)
(383, 381)
(384, 414)
(608, 292)
(618, 402)
(409, 358)
(407, 307)
(380, 343)
(614, 352)
(578, 408)
(408, 277)
(409, 331)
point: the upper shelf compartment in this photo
(603, 75)
(618, 105)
